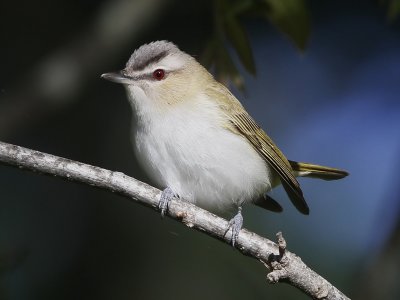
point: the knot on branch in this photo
(278, 263)
(185, 218)
(322, 291)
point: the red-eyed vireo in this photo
(196, 141)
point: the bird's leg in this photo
(235, 224)
(166, 196)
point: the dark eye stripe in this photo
(140, 65)
(147, 76)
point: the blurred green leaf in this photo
(227, 69)
(216, 56)
(240, 42)
(239, 7)
(291, 17)
(207, 58)
(393, 9)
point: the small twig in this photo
(285, 266)
(278, 263)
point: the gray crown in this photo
(150, 53)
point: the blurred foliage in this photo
(289, 16)
(393, 8)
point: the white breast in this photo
(187, 149)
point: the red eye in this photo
(159, 74)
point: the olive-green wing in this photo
(248, 128)
(271, 153)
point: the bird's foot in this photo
(166, 197)
(235, 224)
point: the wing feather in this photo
(244, 125)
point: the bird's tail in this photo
(303, 169)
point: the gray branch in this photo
(283, 265)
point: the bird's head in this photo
(158, 74)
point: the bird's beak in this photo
(117, 77)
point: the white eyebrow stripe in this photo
(171, 62)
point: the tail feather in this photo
(301, 169)
(268, 203)
(316, 171)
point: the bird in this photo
(197, 142)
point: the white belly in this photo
(201, 161)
